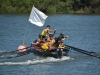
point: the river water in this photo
(83, 32)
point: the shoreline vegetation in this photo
(50, 6)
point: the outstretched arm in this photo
(66, 36)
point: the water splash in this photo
(4, 55)
(37, 61)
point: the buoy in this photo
(22, 48)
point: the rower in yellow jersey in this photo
(45, 31)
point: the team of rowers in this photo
(46, 41)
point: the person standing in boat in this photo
(47, 31)
(44, 33)
(60, 39)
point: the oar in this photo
(45, 53)
(15, 50)
(94, 54)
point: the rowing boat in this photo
(55, 52)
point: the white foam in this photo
(37, 61)
(1, 51)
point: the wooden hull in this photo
(56, 52)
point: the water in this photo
(83, 32)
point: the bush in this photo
(88, 9)
(51, 9)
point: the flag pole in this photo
(37, 18)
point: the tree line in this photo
(50, 6)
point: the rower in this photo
(59, 39)
(62, 37)
(38, 42)
(61, 45)
(45, 45)
(51, 41)
(45, 31)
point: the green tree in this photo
(51, 9)
(69, 7)
(50, 6)
(60, 7)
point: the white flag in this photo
(37, 17)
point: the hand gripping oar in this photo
(94, 54)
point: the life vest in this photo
(45, 46)
(61, 46)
